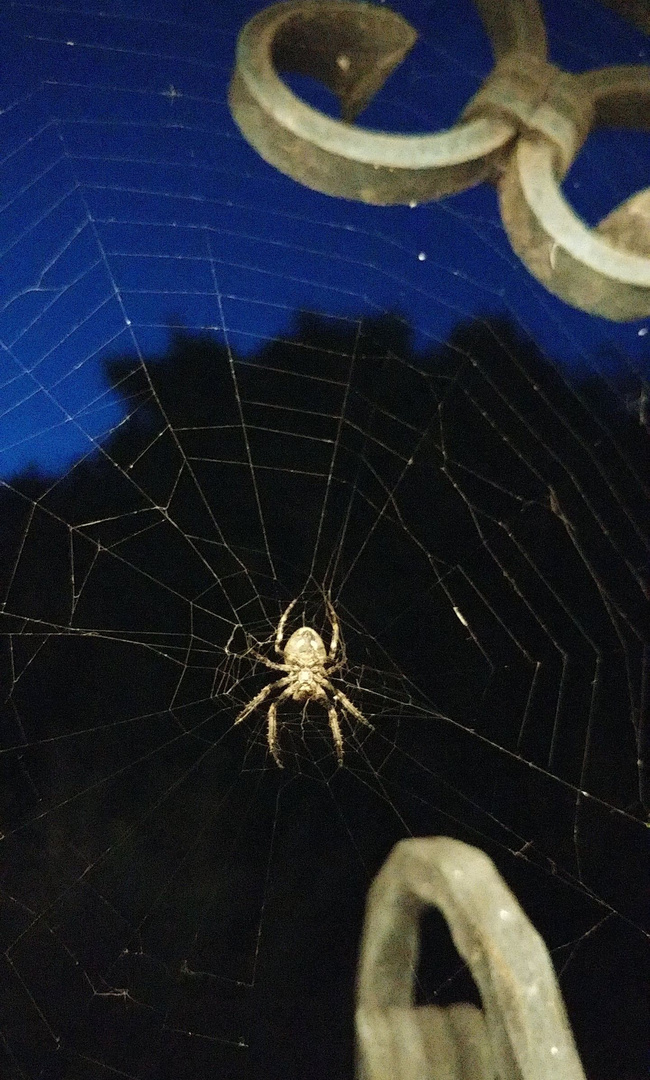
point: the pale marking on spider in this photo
(308, 665)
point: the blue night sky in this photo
(129, 202)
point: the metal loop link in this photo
(538, 99)
(521, 131)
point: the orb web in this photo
(222, 392)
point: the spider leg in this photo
(329, 668)
(272, 729)
(269, 663)
(281, 625)
(350, 708)
(259, 698)
(335, 728)
(332, 716)
(334, 643)
(272, 733)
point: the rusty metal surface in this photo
(521, 131)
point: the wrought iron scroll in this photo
(521, 131)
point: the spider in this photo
(308, 666)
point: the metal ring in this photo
(605, 270)
(352, 48)
(522, 131)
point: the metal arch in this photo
(522, 131)
(522, 1031)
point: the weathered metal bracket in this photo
(522, 131)
(521, 1032)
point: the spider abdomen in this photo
(305, 649)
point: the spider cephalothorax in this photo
(308, 665)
